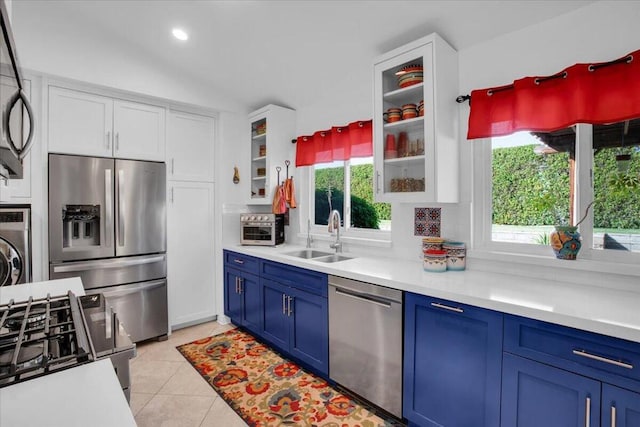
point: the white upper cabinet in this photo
(80, 123)
(139, 131)
(190, 147)
(95, 125)
(416, 154)
(272, 130)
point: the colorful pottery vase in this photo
(565, 242)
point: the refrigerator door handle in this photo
(102, 264)
(108, 207)
(121, 208)
(132, 289)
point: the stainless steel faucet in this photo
(334, 224)
(309, 238)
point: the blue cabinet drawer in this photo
(300, 278)
(245, 263)
(579, 351)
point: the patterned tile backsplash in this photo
(427, 222)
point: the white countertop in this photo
(80, 396)
(601, 310)
(87, 395)
(41, 289)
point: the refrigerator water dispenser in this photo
(80, 226)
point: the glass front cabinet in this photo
(272, 129)
(416, 123)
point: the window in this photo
(616, 186)
(530, 181)
(347, 186)
(531, 186)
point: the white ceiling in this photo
(285, 52)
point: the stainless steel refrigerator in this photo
(107, 225)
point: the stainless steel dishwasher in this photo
(365, 341)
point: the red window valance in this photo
(337, 143)
(600, 93)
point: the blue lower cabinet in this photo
(232, 296)
(309, 331)
(297, 323)
(243, 299)
(252, 299)
(535, 395)
(452, 364)
(275, 322)
(620, 407)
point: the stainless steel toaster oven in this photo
(262, 229)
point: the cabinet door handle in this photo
(583, 353)
(377, 182)
(613, 416)
(173, 165)
(284, 304)
(587, 421)
(240, 281)
(117, 141)
(171, 194)
(108, 140)
(238, 261)
(236, 284)
(446, 307)
(289, 309)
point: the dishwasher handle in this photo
(371, 299)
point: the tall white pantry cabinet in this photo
(190, 218)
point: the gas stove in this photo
(41, 336)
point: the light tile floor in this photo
(167, 391)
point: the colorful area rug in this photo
(267, 390)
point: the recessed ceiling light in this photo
(180, 34)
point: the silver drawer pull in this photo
(238, 261)
(446, 307)
(583, 353)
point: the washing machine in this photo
(15, 245)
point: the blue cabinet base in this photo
(452, 364)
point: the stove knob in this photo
(253, 217)
(263, 218)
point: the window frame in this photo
(371, 237)
(481, 222)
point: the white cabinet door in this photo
(190, 155)
(190, 252)
(80, 123)
(139, 131)
(416, 158)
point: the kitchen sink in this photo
(333, 258)
(307, 254)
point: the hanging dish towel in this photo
(279, 205)
(290, 193)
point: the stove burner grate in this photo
(41, 336)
